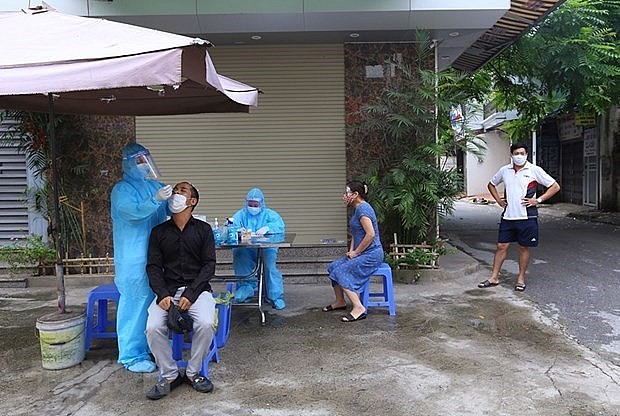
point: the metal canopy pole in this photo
(60, 276)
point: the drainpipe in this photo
(435, 49)
(534, 147)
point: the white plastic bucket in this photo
(62, 339)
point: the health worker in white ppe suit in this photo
(138, 203)
(261, 220)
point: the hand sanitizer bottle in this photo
(217, 233)
(231, 234)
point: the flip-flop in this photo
(520, 287)
(330, 308)
(350, 318)
(487, 283)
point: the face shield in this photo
(145, 164)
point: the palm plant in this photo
(28, 131)
(411, 188)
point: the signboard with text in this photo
(585, 119)
(568, 130)
(590, 140)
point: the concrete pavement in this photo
(452, 349)
(573, 274)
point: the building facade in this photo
(316, 62)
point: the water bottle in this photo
(231, 234)
(217, 233)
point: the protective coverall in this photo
(266, 221)
(135, 211)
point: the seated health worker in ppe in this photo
(261, 220)
(137, 205)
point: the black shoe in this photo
(163, 388)
(201, 384)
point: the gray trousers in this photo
(203, 313)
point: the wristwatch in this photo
(539, 200)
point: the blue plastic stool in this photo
(224, 315)
(179, 344)
(99, 325)
(386, 296)
(220, 337)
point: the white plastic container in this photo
(62, 339)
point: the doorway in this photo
(572, 172)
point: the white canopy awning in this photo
(96, 66)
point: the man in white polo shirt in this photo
(519, 220)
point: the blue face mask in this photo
(254, 210)
(144, 169)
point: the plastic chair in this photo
(386, 297)
(99, 325)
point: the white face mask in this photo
(177, 203)
(519, 160)
(254, 210)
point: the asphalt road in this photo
(574, 274)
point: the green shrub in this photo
(27, 254)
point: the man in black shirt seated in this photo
(181, 262)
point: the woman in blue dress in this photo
(350, 273)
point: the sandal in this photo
(487, 283)
(350, 318)
(330, 308)
(520, 287)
